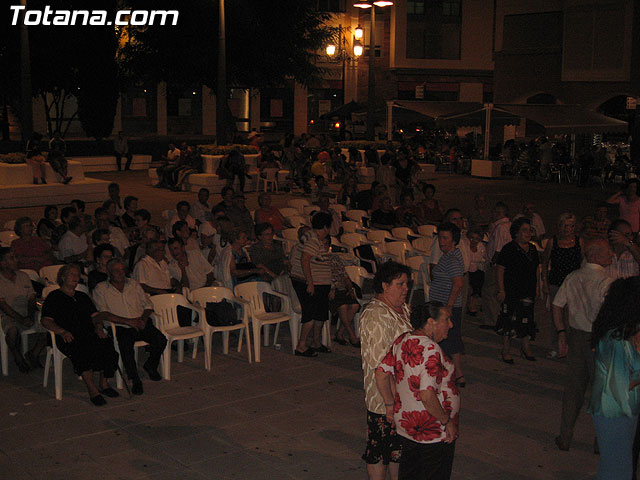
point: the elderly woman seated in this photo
(32, 252)
(80, 334)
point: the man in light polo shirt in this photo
(73, 246)
(152, 271)
(17, 309)
(582, 293)
(189, 267)
(128, 306)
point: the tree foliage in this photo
(268, 41)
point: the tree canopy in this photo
(268, 41)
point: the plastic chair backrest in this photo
(165, 307)
(415, 262)
(422, 244)
(50, 274)
(378, 235)
(297, 221)
(7, 237)
(32, 274)
(350, 226)
(402, 232)
(353, 239)
(427, 230)
(271, 174)
(201, 296)
(9, 224)
(396, 248)
(356, 274)
(309, 209)
(253, 293)
(289, 212)
(338, 208)
(356, 215)
(298, 204)
(290, 234)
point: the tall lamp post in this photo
(371, 92)
(221, 83)
(342, 54)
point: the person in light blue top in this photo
(615, 399)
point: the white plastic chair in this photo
(354, 239)
(253, 292)
(422, 245)
(201, 296)
(402, 233)
(356, 215)
(50, 274)
(298, 204)
(418, 269)
(165, 317)
(378, 236)
(7, 237)
(427, 230)
(398, 250)
(289, 212)
(297, 221)
(349, 226)
(338, 208)
(9, 224)
(58, 357)
(309, 209)
(271, 177)
(136, 346)
(32, 274)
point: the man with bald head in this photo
(582, 293)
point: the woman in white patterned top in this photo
(382, 321)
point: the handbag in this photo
(221, 314)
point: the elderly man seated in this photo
(17, 308)
(128, 306)
(189, 267)
(152, 271)
(73, 246)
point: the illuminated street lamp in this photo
(358, 33)
(358, 49)
(366, 4)
(331, 50)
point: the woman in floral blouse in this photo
(426, 403)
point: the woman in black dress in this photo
(517, 276)
(80, 334)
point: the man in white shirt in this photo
(73, 246)
(582, 293)
(152, 271)
(117, 237)
(128, 306)
(626, 253)
(201, 210)
(189, 267)
(499, 236)
(182, 213)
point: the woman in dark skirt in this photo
(517, 276)
(80, 334)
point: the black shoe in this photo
(560, 445)
(98, 400)
(136, 388)
(110, 392)
(321, 349)
(152, 372)
(339, 341)
(508, 361)
(67, 180)
(309, 352)
(531, 358)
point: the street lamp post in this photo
(371, 91)
(343, 55)
(221, 83)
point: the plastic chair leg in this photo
(256, 340)
(57, 374)
(166, 361)
(225, 343)
(207, 355)
(275, 334)
(326, 334)
(180, 351)
(4, 353)
(47, 366)
(208, 336)
(294, 328)
(265, 332)
(119, 382)
(246, 333)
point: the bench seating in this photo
(21, 174)
(107, 163)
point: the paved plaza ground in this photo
(290, 417)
